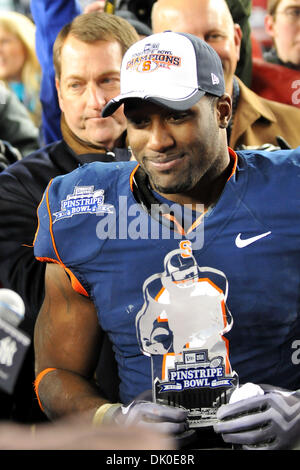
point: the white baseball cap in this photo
(170, 69)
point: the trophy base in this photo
(198, 383)
(203, 438)
(186, 439)
(201, 403)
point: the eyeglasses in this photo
(292, 14)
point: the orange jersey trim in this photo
(177, 224)
(132, 176)
(234, 157)
(197, 222)
(77, 286)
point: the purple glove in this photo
(162, 418)
(270, 421)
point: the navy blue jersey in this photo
(246, 248)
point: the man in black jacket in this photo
(87, 77)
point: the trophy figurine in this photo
(181, 326)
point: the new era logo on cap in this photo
(215, 80)
(171, 69)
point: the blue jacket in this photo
(49, 17)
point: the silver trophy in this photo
(181, 326)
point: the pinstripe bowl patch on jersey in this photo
(83, 200)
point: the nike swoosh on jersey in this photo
(241, 243)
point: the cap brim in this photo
(176, 105)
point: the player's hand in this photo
(269, 421)
(164, 419)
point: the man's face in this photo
(90, 77)
(210, 20)
(175, 148)
(284, 28)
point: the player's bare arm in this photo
(67, 338)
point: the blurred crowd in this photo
(266, 42)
